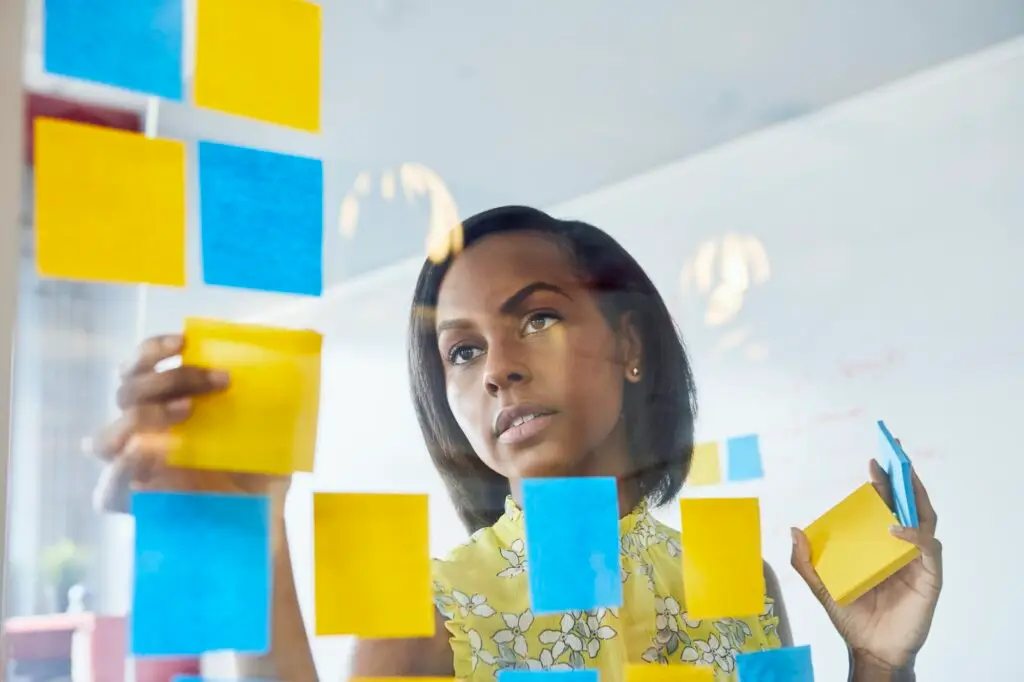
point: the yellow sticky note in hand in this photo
(371, 556)
(723, 572)
(705, 465)
(109, 205)
(260, 59)
(266, 421)
(657, 672)
(851, 546)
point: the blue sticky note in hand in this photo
(572, 543)
(744, 458)
(262, 219)
(896, 464)
(130, 44)
(202, 574)
(776, 665)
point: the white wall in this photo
(892, 229)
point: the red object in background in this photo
(69, 110)
(42, 644)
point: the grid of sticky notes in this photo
(742, 461)
(111, 205)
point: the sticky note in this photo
(851, 546)
(723, 572)
(744, 455)
(202, 573)
(656, 672)
(371, 559)
(547, 675)
(574, 557)
(776, 665)
(262, 219)
(260, 59)
(109, 205)
(896, 464)
(130, 44)
(705, 466)
(266, 420)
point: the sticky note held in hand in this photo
(852, 548)
(265, 422)
(656, 672)
(723, 572)
(371, 558)
(202, 573)
(260, 59)
(896, 464)
(109, 205)
(574, 558)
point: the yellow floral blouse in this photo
(482, 591)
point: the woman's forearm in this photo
(865, 670)
(290, 658)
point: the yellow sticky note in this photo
(109, 205)
(723, 572)
(705, 466)
(260, 59)
(656, 672)
(851, 547)
(371, 557)
(266, 421)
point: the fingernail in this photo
(895, 530)
(181, 406)
(219, 378)
(793, 535)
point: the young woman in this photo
(542, 349)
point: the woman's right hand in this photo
(135, 446)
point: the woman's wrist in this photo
(867, 668)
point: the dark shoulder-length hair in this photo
(659, 410)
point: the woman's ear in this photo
(630, 348)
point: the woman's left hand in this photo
(887, 626)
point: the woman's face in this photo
(534, 372)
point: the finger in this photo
(800, 559)
(151, 352)
(180, 382)
(926, 517)
(112, 440)
(880, 481)
(112, 493)
(931, 548)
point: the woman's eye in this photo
(540, 322)
(460, 355)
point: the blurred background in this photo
(828, 194)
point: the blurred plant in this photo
(64, 564)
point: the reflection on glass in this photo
(723, 270)
(444, 231)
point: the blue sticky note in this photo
(202, 574)
(262, 219)
(744, 457)
(572, 543)
(896, 464)
(130, 44)
(776, 665)
(547, 676)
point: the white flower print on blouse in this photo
(514, 634)
(546, 662)
(477, 653)
(515, 557)
(714, 651)
(476, 605)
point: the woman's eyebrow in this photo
(510, 306)
(513, 302)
